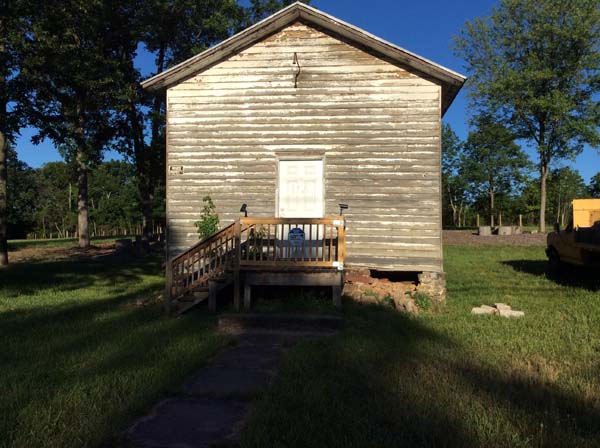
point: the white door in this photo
(301, 189)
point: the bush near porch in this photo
(84, 352)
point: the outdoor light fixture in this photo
(342, 208)
(296, 62)
(244, 210)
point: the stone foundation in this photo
(361, 287)
(433, 284)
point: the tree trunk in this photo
(543, 177)
(3, 200)
(3, 156)
(454, 214)
(492, 206)
(82, 201)
(143, 168)
(82, 182)
(452, 206)
(147, 190)
(147, 209)
(558, 207)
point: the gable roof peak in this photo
(450, 80)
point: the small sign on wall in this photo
(296, 237)
(175, 170)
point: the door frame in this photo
(300, 157)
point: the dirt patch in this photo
(470, 238)
(37, 254)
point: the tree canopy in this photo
(490, 165)
(535, 66)
(454, 183)
(594, 187)
(14, 25)
(494, 165)
(564, 185)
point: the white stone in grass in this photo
(502, 306)
(480, 310)
(511, 313)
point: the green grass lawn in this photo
(447, 378)
(79, 361)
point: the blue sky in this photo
(425, 28)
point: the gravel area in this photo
(470, 238)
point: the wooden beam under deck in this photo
(333, 279)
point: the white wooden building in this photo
(302, 112)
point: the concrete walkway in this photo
(215, 402)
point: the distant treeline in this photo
(489, 177)
(43, 201)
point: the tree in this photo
(594, 187)
(535, 64)
(259, 9)
(114, 202)
(493, 163)
(56, 207)
(173, 31)
(73, 67)
(454, 184)
(564, 185)
(23, 193)
(14, 24)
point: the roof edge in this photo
(451, 80)
(286, 15)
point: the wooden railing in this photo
(257, 244)
(203, 261)
(289, 243)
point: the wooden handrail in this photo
(267, 244)
(287, 221)
(257, 243)
(201, 263)
(202, 243)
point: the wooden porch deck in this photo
(260, 251)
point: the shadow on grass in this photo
(389, 380)
(571, 276)
(293, 299)
(66, 275)
(16, 245)
(77, 372)
(529, 397)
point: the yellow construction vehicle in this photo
(579, 243)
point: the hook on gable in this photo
(296, 62)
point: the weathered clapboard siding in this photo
(377, 126)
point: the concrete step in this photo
(284, 324)
(200, 294)
(197, 298)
